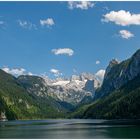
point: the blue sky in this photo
(72, 37)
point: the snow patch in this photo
(60, 83)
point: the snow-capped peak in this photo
(73, 89)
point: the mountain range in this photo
(80, 96)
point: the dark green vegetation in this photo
(118, 98)
(17, 103)
(119, 95)
(121, 104)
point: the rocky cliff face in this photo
(112, 63)
(119, 73)
(76, 88)
(71, 90)
(33, 84)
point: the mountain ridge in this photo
(119, 97)
(71, 90)
(80, 96)
(119, 73)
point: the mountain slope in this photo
(71, 90)
(122, 103)
(119, 96)
(74, 89)
(17, 103)
(117, 74)
(33, 97)
(37, 86)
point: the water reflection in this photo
(70, 129)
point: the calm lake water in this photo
(70, 128)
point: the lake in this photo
(70, 128)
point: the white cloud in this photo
(49, 22)
(84, 5)
(122, 17)
(55, 72)
(126, 34)
(97, 62)
(26, 24)
(100, 74)
(29, 73)
(63, 51)
(14, 71)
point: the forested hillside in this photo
(17, 103)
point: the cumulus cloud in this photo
(126, 34)
(16, 71)
(100, 74)
(122, 17)
(63, 51)
(84, 5)
(55, 72)
(97, 62)
(26, 24)
(29, 73)
(47, 22)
